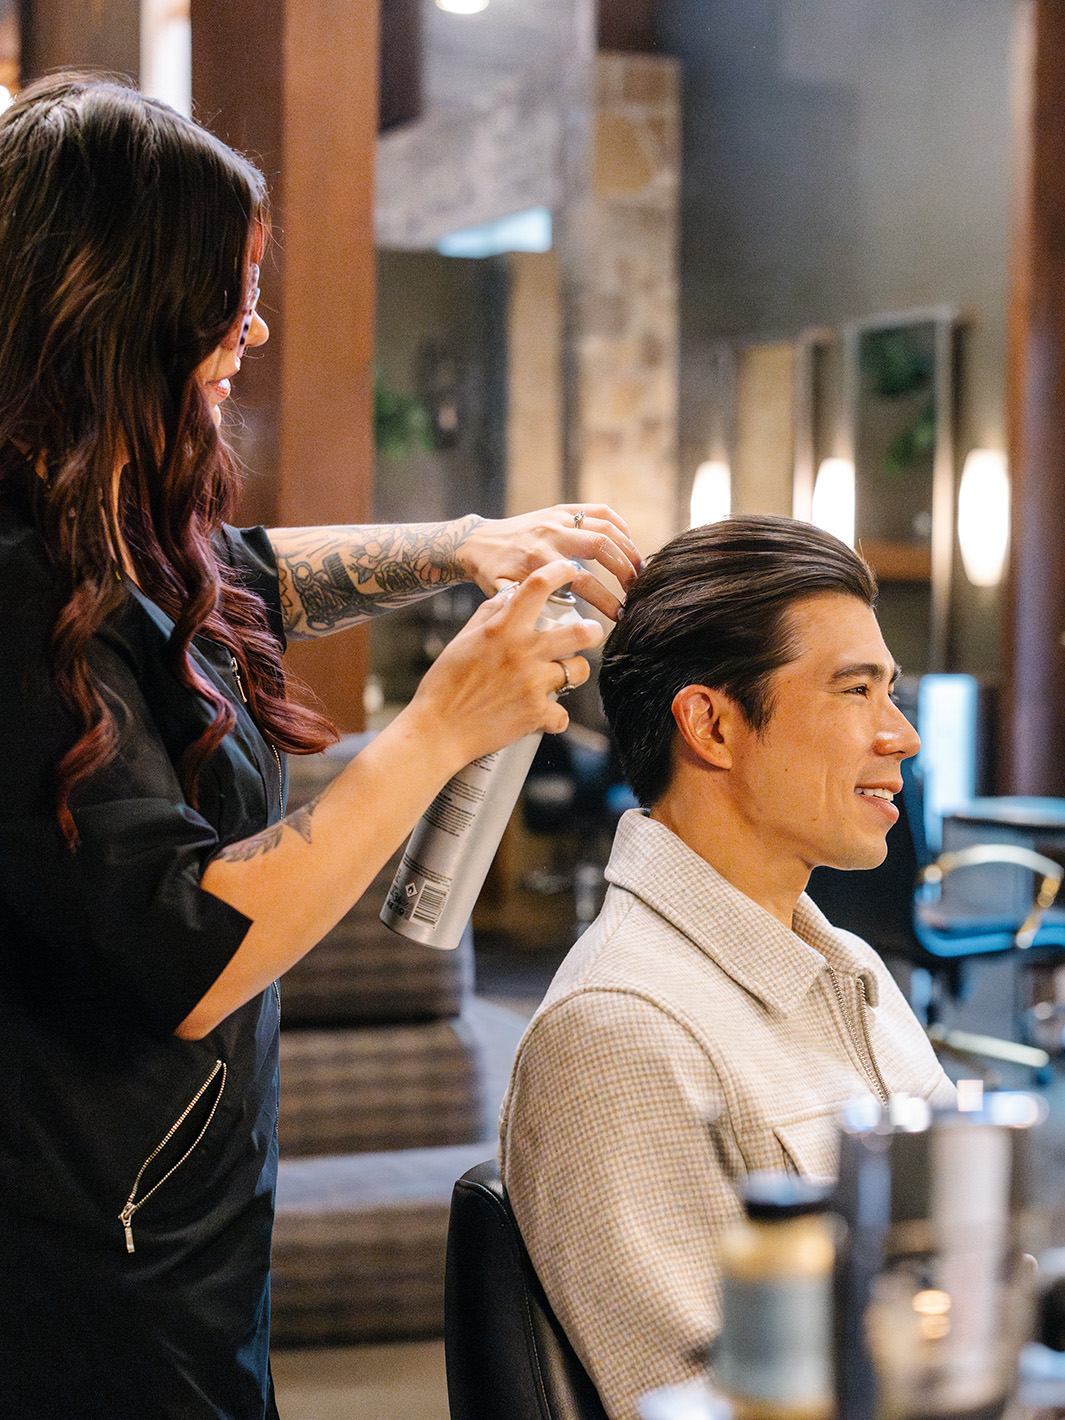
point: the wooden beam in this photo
(1033, 719)
(294, 83)
(59, 35)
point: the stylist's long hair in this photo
(125, 237)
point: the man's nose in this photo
(897, 735)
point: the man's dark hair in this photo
(712, 608)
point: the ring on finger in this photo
(578, 518)
(568, 683)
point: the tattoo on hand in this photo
(330, 578)
(266, 841)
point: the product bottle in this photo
(447, 858)
(773, 1356)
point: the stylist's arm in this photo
(493, 683)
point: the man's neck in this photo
(732, 848)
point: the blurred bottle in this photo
(773, 1355)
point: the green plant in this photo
(401, 423)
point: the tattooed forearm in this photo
(266, 841)
(334, 577)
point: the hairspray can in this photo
(447, 858)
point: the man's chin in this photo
(860, 857)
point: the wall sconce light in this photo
(711, 498)
(833, 501)
(462, 7)
(984, 516)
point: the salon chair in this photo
(507, 1357)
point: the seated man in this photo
(711, 1022)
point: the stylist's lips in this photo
(221, 388)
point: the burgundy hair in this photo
(126, 232)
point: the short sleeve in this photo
(250, 553)
(120, 926)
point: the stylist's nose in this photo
(259, 331)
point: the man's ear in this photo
(705, 720)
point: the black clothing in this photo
(137, 1170)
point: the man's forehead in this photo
(838, 636)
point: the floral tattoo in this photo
(334, 577)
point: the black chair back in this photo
(507, 1357)
(877, 903)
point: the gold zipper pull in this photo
(126, 1219)
(239, 680)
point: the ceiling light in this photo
(462, 7)
(520, 231)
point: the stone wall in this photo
(621, 286)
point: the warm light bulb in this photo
(984, 516)
(833, 500)
(711, 498)
(462, 7)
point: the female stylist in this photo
(152, 889)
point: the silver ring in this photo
(567, 684)
(578, 518)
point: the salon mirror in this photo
(900, 371)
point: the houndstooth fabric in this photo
(687, 1039)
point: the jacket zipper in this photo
(865, 1055)
(133, 1202)
(238, 678)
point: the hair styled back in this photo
(712, 608)
(126, 233)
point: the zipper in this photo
(864, 1054)
(239, 680)
(133, 1202)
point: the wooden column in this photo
(56, 34)
(294, 84)
(1033, 724)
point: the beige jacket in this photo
(687, 1039)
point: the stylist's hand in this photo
(495, 681)
(503, 550)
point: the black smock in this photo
(137, 1170)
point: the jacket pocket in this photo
(173, 1138)
(811, 1144)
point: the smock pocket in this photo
(175, 1148)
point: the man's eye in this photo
(858, 690)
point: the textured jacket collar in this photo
(774, 964)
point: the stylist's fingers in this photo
(603, 536)
(522, 603)
(510, 549)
